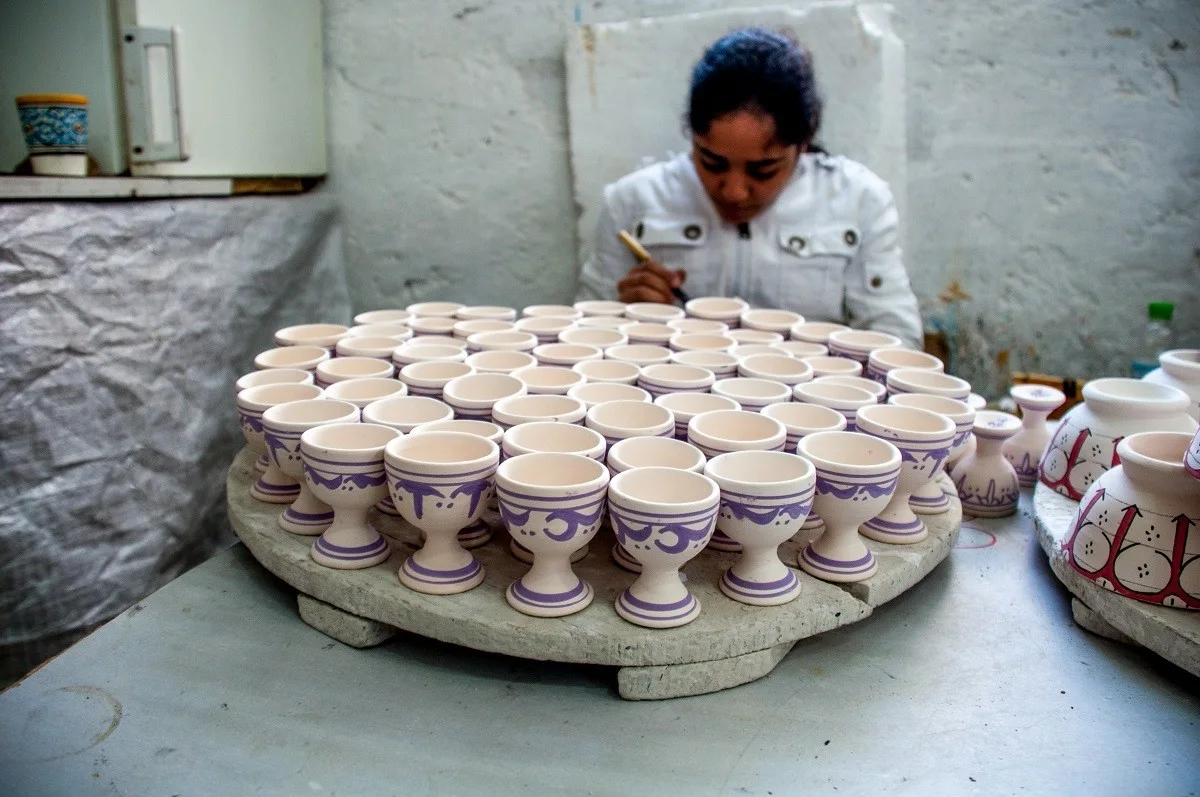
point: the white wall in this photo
(1054, 163)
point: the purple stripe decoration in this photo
(351, 555)
(833, 567)
(475, 535)
(437, 578)
(754, 590)
(635, 610)
(581, 593)
(308, 518)
(624, 560)
(929, 502)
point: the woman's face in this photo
(742, 165)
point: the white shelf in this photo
(13, 187)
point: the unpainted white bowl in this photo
(516, 410)
(722, 363)
(846, 400)
(735, 430)
(406, 413)
(646, 332)
(663, 378)
(464, 329)
(566, 354)
(908, 380)
(752, 394)
(507, 340)
(549, 379)
(800, 348)
(428, 378)
(745, 350)
(614, 371)
(827, 365)
(601, 322)
(324, 335)
(438, 340)
(545, 328)
(547, 436)
(617, 420)
(871, 386)
(857, 344)
(339, 369)
(396, 330)
(594, 393)
(776, 368)
(699, 326)
(500, 362)
(749, 336)
(685, 406)
(654, 452)
(768, 320)
(484, 429)
(408, 353)
(600, 308)
(488, 311)
(306, 358)
(386, 316)
(652, 312)
(600, 338)
(703, 341)
(377, 346)
(801, 420)
(640, 355)
(551, 311)
(433, 325)
(427, 309)
(364, 391)
(880, 361)
(717, 308)
(273, 376)
(474, 395)
(815, 331)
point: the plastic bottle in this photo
(1155, 338)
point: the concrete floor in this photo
(975, 682)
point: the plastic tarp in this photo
(123, 326)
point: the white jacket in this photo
(827, 248)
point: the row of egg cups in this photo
(714, 432)
(704, 314)
(766, 499)
(475, 396)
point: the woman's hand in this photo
(650, 282)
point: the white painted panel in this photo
(627, 89)
(252, 88)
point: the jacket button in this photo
(876, 282)
(640, 230)
(692, 232)
(796, 242)
(851, 237)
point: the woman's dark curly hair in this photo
(761, 71)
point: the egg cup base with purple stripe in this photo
(756, 593)
(388, 507)
(1003, 510)
(929, 499)
(624, 560)
(476, 535)
(441, 582)
(305, 524)
(356, 558)
(812, 522)
(721, 542)
(902, 533)
(540, 604)
(275, 492)
(524, 555)
(834, 570)
(262, 463)
(653, 615)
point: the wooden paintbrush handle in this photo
(638, 250)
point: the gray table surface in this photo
(974, 682)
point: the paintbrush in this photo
(642, 256)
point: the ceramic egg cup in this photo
(343, 466)
(552, 503)
(273, 486)
(931, 498)
(663, 518)
(440, 482)
(765, 497)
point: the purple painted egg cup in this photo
(273, 486)
(440, 482)
(271, 376)
(478, 533)
(343, 466)
(283, 425)
(663, 518)
(553, 503)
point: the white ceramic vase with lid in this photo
(1024, 450)
(1180, 368)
